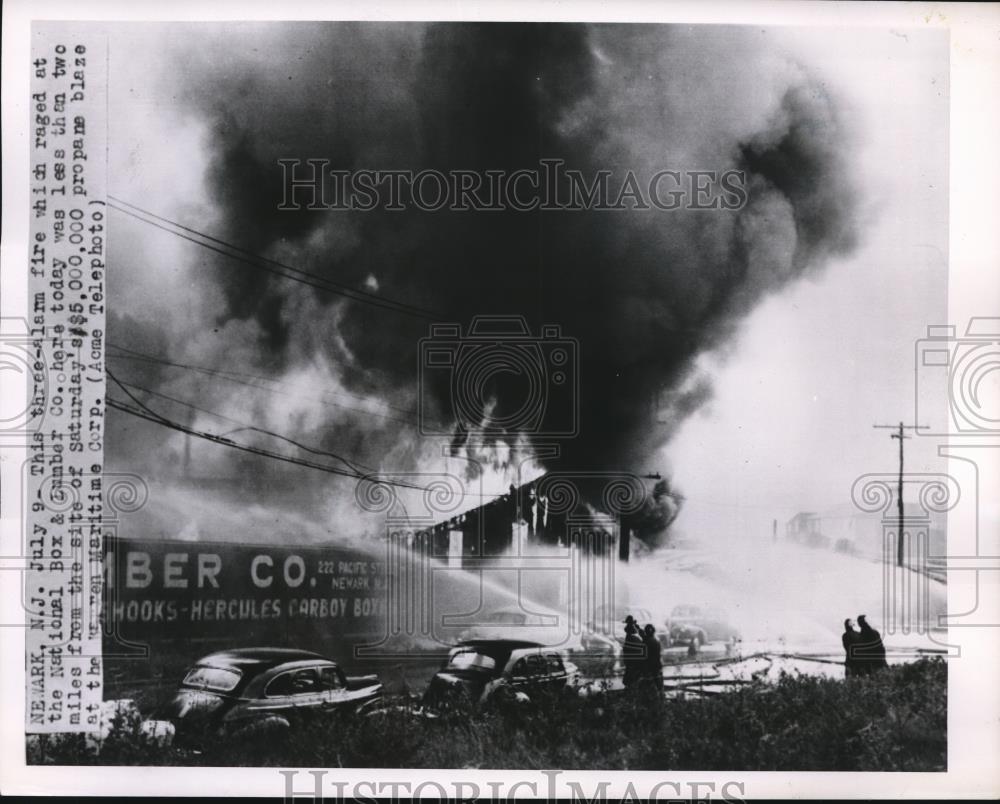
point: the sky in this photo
(817, 365)
(786, 381)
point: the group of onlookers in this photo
(641, 653)
(863, 649)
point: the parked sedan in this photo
(593, 652)
(252, 690)
(483, 670)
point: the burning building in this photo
(555, 509)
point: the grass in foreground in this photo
(894, 721)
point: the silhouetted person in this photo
(633, 652)
(693, 647)
(850, 641)
(870, 650)
(653, 662)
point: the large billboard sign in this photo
(240, 595)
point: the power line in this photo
(234, 376)
(262, 263)
(224, 372)
(146, 413)
(243, 425)
(245, 255)
(131, 396)
(151, 416)
(157, 419)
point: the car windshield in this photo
(471, 660)
(212, 678)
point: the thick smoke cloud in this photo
(643, 291)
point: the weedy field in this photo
(893, 721)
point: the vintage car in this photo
(482, 671)
(591, 651)
(250, 691)
(689, 623)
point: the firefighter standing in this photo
(633, 652)
(870, 649)
(654, 664)
(850, 641)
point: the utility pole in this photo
(899, 496)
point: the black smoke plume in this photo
(644, 292)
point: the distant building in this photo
(806, 528)
(854, 531)
(846, 529)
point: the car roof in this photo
(499, 644)
(259, 658)
(521, 652)
(497, 649)
(522, 611)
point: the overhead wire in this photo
(353, 464)
(237, 377)
(266, 264)
(143, 411)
